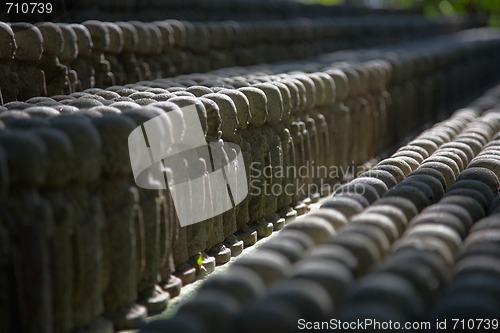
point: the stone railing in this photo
(54, 59)
(103, 252)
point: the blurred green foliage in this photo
(432, 8)
(324, 2)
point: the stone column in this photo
(297, 152)
(124, 229)
(261, 159)
(215, 226)
(284, 130)
(83, 64)
(320, 114)
(245, 233)
(7, 282)
(69, 54)
(29, 51)
(196, 233)
(28, 220)
(179, 55)
(356, 110)
(100, 39)
(115, 47)
(308, 134)
(165, 57)
(229, 122)
(159, 233)
(274, 116)
(90, 262)
(59, 153)
(144, 46)
(341, 122)
(8, 77)
(127, 57)
(398, 125)
(378, 96)
(153, 57)
(56, 75)
(319, 131)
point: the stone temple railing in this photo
(104, 252)
(194, 10)
(54, 59)
(411, 244)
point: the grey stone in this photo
(29, 51)
(8, 77)
(28, 220)
(56, 74)
(89, 220)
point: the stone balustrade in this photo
(84, 248)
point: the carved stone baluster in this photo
(28, 220)
(29, 51)
(90, 271)
(83, 64)
(100, 39)
(56, 75)
(8, 77)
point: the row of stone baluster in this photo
(410, 244)
(52, 59)
(196, 10)
(95, 246)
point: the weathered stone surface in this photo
(59, 153)
(271, 267)
(318, 228)
(100, 41)
(242, 284)
(29, 51)
(159, 229)
(8, 77)
(89, 217)
(343, 204)
(213, 308)
(396, 291)
(56, 75)
(334, 276)
(309, 298)
(29, 222)
(124, 237)
(68, 55)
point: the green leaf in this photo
(199, 261)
